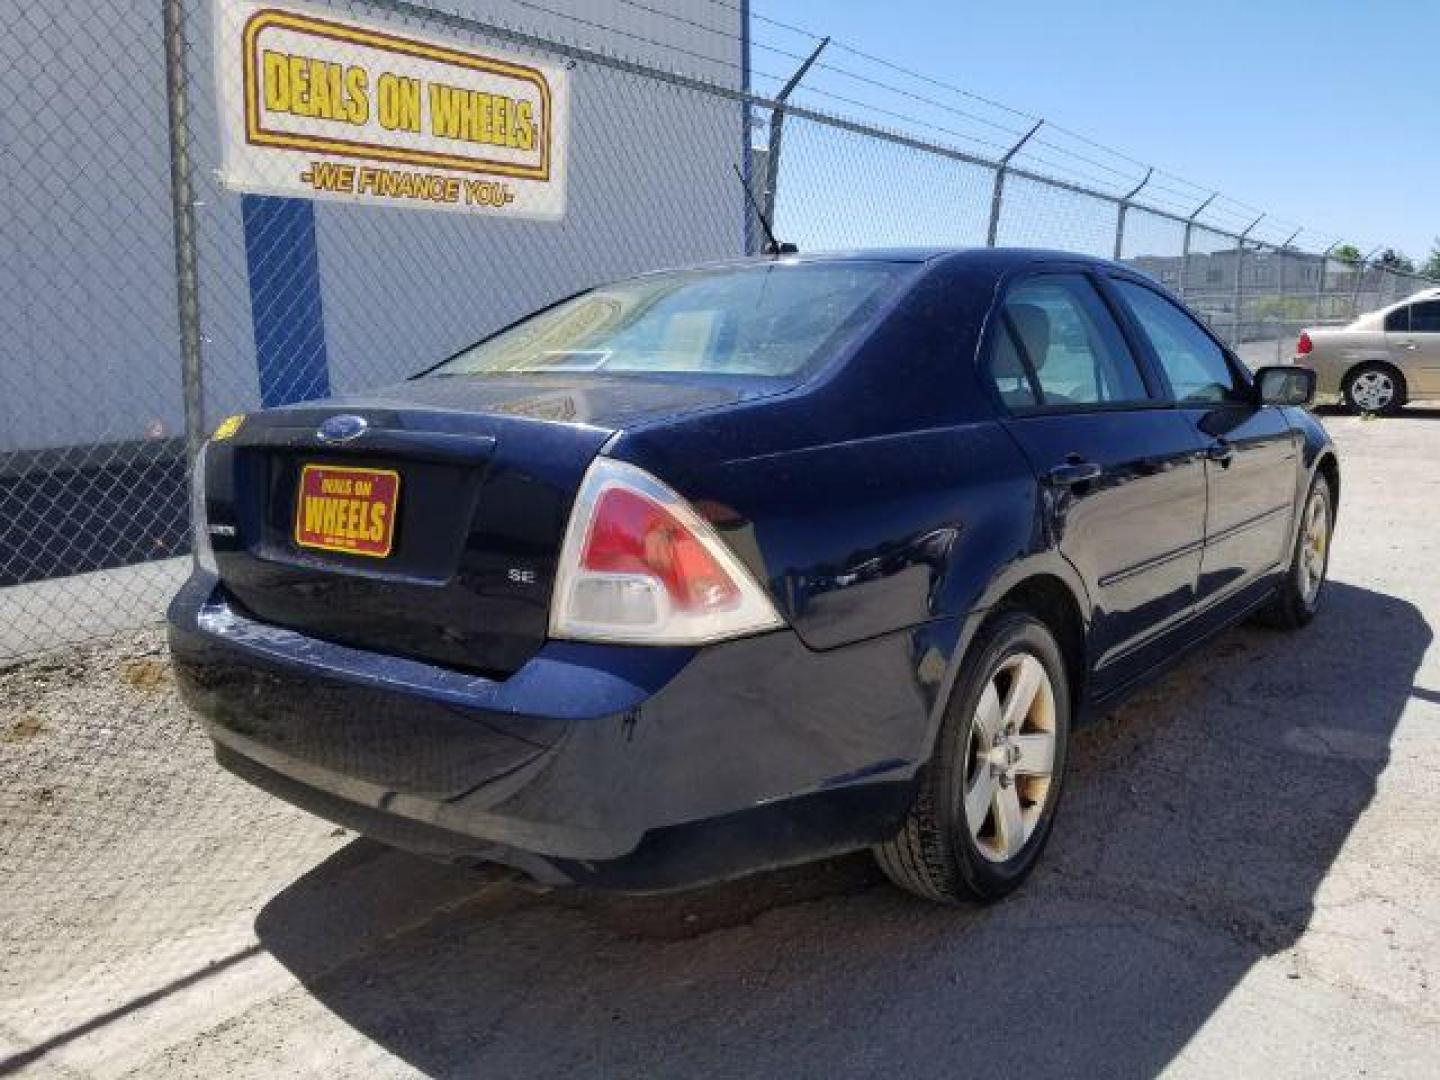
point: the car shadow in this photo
(1200, 820)
(1409, 412)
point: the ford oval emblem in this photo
(342, 428)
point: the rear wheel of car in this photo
(1298, 597)
(988, 796)
(1375, 388)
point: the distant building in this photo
(1289, 271)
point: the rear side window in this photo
(1057, 346)
(1398, 321)
(1193, 362)
(1425, 317)
(774, 318)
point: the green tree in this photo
(1431, 269)
(1347, 253)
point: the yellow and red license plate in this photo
(349, 510)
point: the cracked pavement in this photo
(1243, 882)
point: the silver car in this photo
(1381, 360)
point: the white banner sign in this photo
(317, 105)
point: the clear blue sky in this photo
(1322, 112)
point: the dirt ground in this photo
(1245, 881)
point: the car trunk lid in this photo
(473, 478)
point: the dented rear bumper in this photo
(640, 768)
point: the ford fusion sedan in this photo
(726, 568)
(1381, 360)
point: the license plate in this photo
(348, 510)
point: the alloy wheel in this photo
(1372, 391)
(1011, 757)
(1314, 545)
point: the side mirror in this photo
(1285, 385)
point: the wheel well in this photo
(1329, 468)
(1050, 600)
(1353, 368)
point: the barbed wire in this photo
(1233, 209)
(1233, 213)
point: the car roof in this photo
(1368, 318)
(998, 258)
(986, 255)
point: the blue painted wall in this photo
(283, 262)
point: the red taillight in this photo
(639, 565)
(631, 534)
(1304, 345)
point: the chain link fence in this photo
(145, 298)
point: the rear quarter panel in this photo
(882, 496)
(1335, 352)
(864, 537)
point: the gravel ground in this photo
(83, 608)
(1243, 883)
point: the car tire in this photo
(1298, 597)
(989, 765)
(1375, 388)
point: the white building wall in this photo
(651, 184)
(89, 347)
(87, 298)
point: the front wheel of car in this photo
(988, 796)
(1298, 597)
(1375, 388)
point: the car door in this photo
(1412, 334)
(1250, 450)
(1121, 480)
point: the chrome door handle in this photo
(1408, 345)
(1074, 472)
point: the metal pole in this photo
(1124, 209)
(1185, 246)
(997, 195)
(182, 214)
(777, 122)
(1282, 254)
(1239, 281)
(1280, 279)
(1359, 279)
(1320, 284)
(747, 148)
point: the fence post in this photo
(777, 122)
(1240, 281)
(182, 214)
(997, 194)
(1284, 253)
(1124, 209)
(1185, 245)
(1359, 281)
(1320, 284)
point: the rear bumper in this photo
(639, 768)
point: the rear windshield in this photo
(771, 319)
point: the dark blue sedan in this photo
(726, 568)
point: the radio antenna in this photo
(772, 246)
